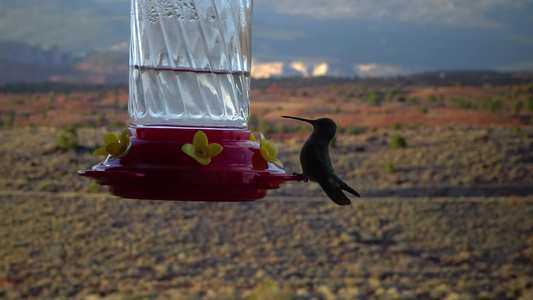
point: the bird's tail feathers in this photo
(347, 188)
(335, 194)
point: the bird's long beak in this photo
(300, 119)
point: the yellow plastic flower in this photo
(269, 151)
(200, 149)
(252, 137)
(115, 146)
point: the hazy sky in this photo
(431, 33)
(449, 34)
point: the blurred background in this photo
(87, 41)
(433, 102)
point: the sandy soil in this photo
(453, 222)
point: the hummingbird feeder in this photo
(189, 99)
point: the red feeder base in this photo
(156, 168)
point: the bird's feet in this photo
(301, 177)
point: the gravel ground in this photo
(455, 221)
(444, 161)
(81, 245)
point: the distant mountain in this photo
(20, 52)
(22, 62)
(374, 37)
(11, 72)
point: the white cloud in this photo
(378, 70)
(266, 70)
(457, 13)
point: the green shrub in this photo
(253, 123)
(397, 142)
(355, 130)
(529, 88)
(412, 100)
(517, 106)
(270, 290)
(117, 124)
(94, 187)
(285, 129)
(374, 98)
(397, 125)
(528, 104)
(9, 120)
(492, 104)
(16, 101)
(389, 168)
(265, 127)
(395, 93)
(423, 110)
(101, 118)
(67, 138)
(348, 96)
(293, 93)
(462, 103)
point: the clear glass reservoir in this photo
(190, 63)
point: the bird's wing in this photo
(330, 182)
(332, 188)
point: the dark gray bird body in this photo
(316, 164)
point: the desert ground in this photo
(447, 216)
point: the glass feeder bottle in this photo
(190, 63)
(189, 86)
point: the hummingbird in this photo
(316, 164)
